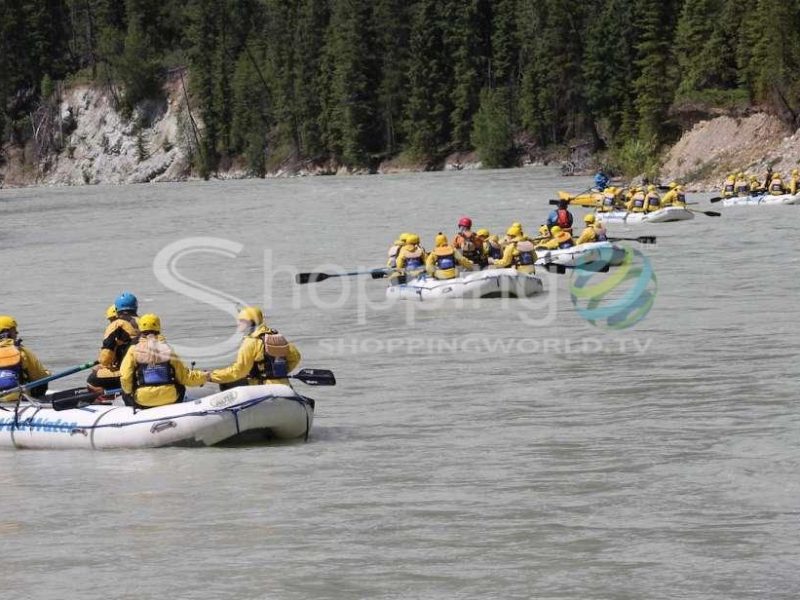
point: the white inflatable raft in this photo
(767, 199)
(490, 283)
(662, 215)
(247, 413)
(596, 251)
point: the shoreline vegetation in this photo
(94, 91)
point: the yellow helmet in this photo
(403, 236)
(588, 218)
(412, 239)
(555, 230)
(111, 312)
(673, 185)
(250, 313)
(776, 175)
(494, 238)
(441, 240)
(484, 233)
(740, 175)
(7, 322)
(651, 188)
(514, 231)
(517, 225)
(543, 230)
(150, 322)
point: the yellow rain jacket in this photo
(250, 357)
(652, 202)
(153, 374)
(587, 236)
(562, 240)
(411, 258)
(518, 253)
(118, 337)
(729, 187)
(13, 357)
(441, 263)
(637, 202)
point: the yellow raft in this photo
(588, 199)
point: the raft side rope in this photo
(30, 424)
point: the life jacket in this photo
(274, 364)
(638, 200)
(153, 366)
(392, 254)
(494, 251)
(525, 254)
(776, 186)
(563, 218)
(653, 200)
(742, 187)
(681, 198)
(466, 244)
(730, 185)
(11, 373)
(413, 260)
(564, 240)
(608, 200)
(600, 234)
(445, 258)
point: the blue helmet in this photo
(126, 301)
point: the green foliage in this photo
(635, 157)
(277, 81)
(492, 135)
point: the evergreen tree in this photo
(492, 133)
(463, 43)
(653, 86)
(392, 35)
(350, 104)
(427, 123)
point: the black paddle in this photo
(314, 277)
(561, 269)
(315, 377)
(74, 398)
(642, 239)
(708, 213)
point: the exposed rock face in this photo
(716, 147)
(105, 148)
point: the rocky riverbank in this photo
(92, 143)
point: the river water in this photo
(490, 450)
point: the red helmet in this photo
(465, 222)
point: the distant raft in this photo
(248, 413)
(662, 215)
(490, 283)
(595, 251)
(762, 199)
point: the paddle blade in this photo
(646, 239)
(302, 278)
(711, 213)
(75, 398)
(715, 199)
(553, 202)
(315, 377)
(379, 273)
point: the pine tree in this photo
(653, 87)
(350, 105)
(492, 134)
(392, 40)
(427, 123)
(608, 67)
(463, 43)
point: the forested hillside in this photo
(358, 81)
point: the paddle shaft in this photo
(34, 384)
